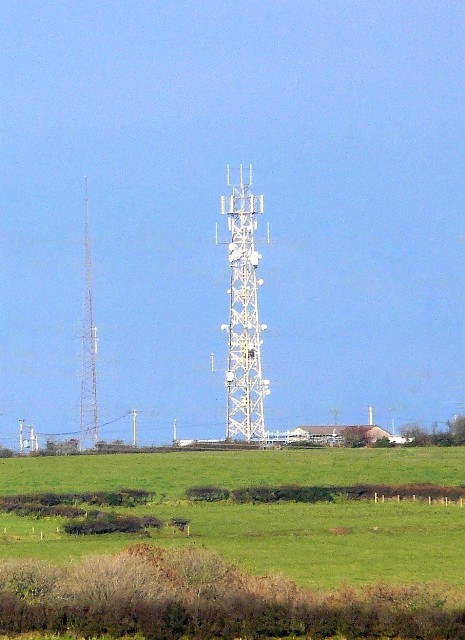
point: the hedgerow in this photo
(282, 494)
(65, 504)
(111, 523)
(209, 494)
(39, 510)
(311, 494)
(167, 594)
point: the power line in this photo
(73, 433)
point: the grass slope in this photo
(171, 473)
(322, 545)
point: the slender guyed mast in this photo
(88, 408)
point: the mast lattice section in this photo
(88, 408)
(245, 386)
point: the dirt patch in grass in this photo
(339, 531)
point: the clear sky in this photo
(352, 114)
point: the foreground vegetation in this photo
(191, 593)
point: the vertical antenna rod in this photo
(21, 436)
(370, 415)
(245, 386)
(134, 413)
(88, 408)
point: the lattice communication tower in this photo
(246, 389)
(88, 409)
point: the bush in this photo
(179, 523)
(151, 522)
(383, 443)
(64, 505)
(131, 497)
(166, 594)
(66, 511)
(111, 523)
(209, 494)
(287, 493)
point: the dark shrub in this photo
(303, 444)
(151, 522)
(125, 497)
(46, 499)
(383, 443)
(101, 498)
(111, 523)
(286, 493)
(210, 494)
(66, 511)
(132, 497)
(180, 523)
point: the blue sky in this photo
(352, 116)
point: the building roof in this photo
(338, 430)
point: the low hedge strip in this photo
(111, 523)
(282, 494)
(312, 494)
(65, 504)
(208, 494)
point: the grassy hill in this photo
(323, 545)
(170, 474)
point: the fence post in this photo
(398, 498)
(414, 497)
(382, 499)
(429, 499)
(446, 499)
(376, 497)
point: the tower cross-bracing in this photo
(88, 408)
(246, 388)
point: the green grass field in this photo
(171, 473)
(322, 545)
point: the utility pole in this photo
(246, 389)
(21, 437)
(33, 440)
(88, 407)
(175, 432)
(134, 413)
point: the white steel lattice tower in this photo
(245, 387)
(88, 408)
